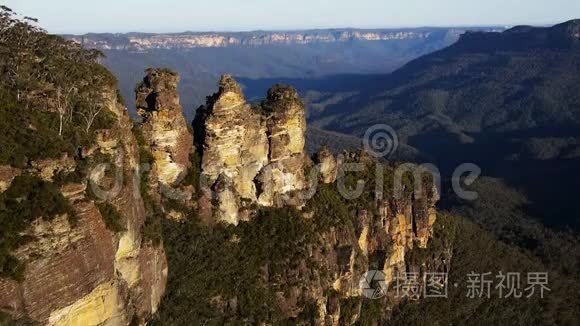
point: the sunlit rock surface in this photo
(260, 149)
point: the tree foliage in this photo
(28, 198)
(47, 72)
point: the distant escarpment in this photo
(144, 41)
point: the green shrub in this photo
(28, 134)
(151, 229)
(349, 309)
(120, 98)
(194, 172)
(6, 320)
(27, 199)
(111, 216)
(444, 231)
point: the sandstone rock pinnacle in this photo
(165, 127)
(260, 149)
(327, 165)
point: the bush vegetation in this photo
(51, 103)
(111, 216)
(50, 93)
(475, 250)
(28, 134)
(504, 212)
(27, 199)
(227, 261)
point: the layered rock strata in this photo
(86, 274)
(259, 150)
(165, 127)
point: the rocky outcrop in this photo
(383, 237)
(234, 142)
(228, 200)
(164, 126)
(259, 150)
(424, 213)
(327, 165)
(47, 168)
(286, 123)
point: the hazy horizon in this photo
(273, 30)
(176, 16)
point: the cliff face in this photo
(235, 142)
(164, 125)
(141, 42)
(86, 274)
(380, 241)
(251, 154)
(187, 40)
(286, 128)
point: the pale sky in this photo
(81, 16)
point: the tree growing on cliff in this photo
(64, 96)
(90, 113)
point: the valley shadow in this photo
(550, 183)
(257, 88)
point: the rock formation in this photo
(259, 150)
(373, 234)
(386, 236)
(165, 128)
(252, 161)
(235, 141)
(256, 155)
(286, 122)
(327, 165)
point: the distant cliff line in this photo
(185, 40)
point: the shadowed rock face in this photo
(260, 149)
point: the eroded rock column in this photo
(286, 123)
(259, 150)
(171, 142)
